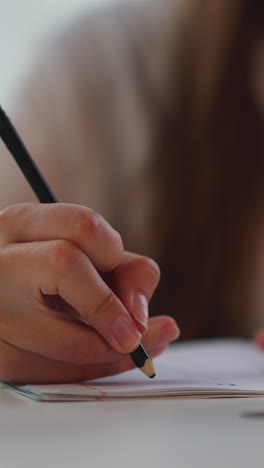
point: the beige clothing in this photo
(88, 112)
(88, 115)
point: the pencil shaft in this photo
(22, 157)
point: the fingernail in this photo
(167, 334)
(126, 333)
(140, 309)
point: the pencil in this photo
(44, 193)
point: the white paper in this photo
(211, 368)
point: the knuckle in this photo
(85, 223)
(115, 251)
(150, 269)
(118, 241)
(62, 256)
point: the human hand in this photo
(259, 338)
(61, 320)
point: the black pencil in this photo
(43, 192)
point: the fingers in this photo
(259, 338)
(32, 326)
(64, 270)
(70, 267)
(18, 365)
(134, 282)
(82, 226)
(55, 251)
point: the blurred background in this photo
(23, 24)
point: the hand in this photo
(259, 338)
(59, 319)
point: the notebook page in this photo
(211, 367)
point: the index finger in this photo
(90, 232)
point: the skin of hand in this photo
(73, 303)
(259, 338)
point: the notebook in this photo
(201, 369)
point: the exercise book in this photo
(196, 369)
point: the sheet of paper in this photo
(211, 368)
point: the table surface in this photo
(155, 433)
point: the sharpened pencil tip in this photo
(148, 369)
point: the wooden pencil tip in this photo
(148, 369)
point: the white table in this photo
(155, 433)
